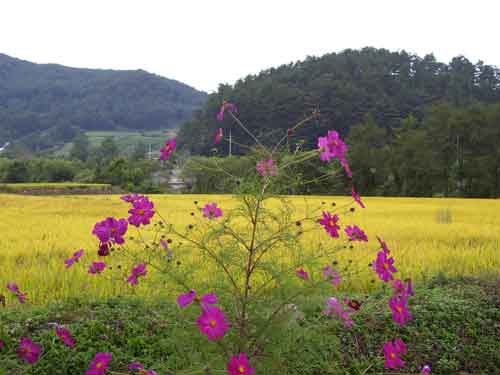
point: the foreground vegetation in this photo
(247, 269)
(453, 236)
(456, 331)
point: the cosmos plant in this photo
(241, 249)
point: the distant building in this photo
(4, 146)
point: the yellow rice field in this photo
(426, 236)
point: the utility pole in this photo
(150, 152)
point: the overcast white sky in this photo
(204, 43)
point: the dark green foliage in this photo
(131, 175)
(43, 104)
(16, 172)
(455, 331)
(38, 170)
(122, 172)
(452, 151)
(139, 151)
(80, 148)
(345, 87)
(108, 150)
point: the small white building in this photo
(4, 146)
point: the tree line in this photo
(345, 87)
(105, 163)
(450, 151)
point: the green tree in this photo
(80, 148)
(108, 150)
(17, 171)
(139, 152)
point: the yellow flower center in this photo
(113, 230)
(331, 223)
(212, 323)
(241, 369)
(141, 212)
(392, 355)
(99, 365)
(386, 266)
(26, 350)
(399, 309)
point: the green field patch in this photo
(54, 187)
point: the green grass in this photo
(456, 330)
(126, 140)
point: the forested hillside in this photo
(46, 103)
(345, 87)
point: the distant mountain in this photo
(345, 87)
(46, 103)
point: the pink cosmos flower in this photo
(240, 365)
(330, 224)
(355, 233)
(226, 106)
(357, 198)
(409, 287)
(426, 370)
(383, 245)
(211, 211)
(131, 198)
(392, 350)
(403, 288)
(136, 366)
(384, 266)
(185, 300)
(103, 249)
(99, 364)
(139, 366)
(331, 146)
(142, 212)
(168, 149)
(29, 351)
(65, 335)
(137, 271)
(96, 267)
(15, 289)
(2, 344)
(74, 258)
(330, 274)
(302, 274)
(209, 299)
(213, 323)
(345, 165)
(267, 168)
(111, 230)
(335, 308)
(218, 136)
(399, 307)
